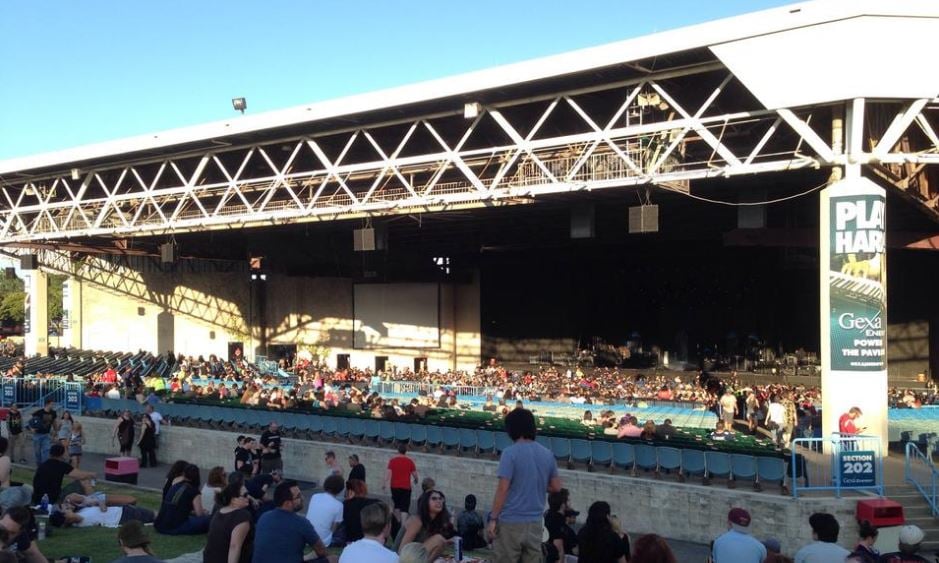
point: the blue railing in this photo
(28, 392)
(837, 463)
(919, 471)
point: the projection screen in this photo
(399, 315)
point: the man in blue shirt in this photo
(736, 545)
(527, 472)
(282, 534)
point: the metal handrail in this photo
(825, 472)
(928, 490)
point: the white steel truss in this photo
(665, 130)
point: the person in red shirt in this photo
(401, 474)
(846, 424)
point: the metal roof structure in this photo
(810, 85)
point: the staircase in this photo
(917, 512)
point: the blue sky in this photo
(78, 72)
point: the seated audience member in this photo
(135, 544)
(282, 535)
(376, 526)
(231, 530)
(825, 546)
(587, 419)
(77, 512)
(562, 540)
(865, 551)
(774, 552)
(910, 542)
(325, 511)
(48, 477)
(648, 430)
(181, 512)
(629, 429)
(736, 545)
(665, 431)
(175, 471)
(356, 500)
(721, 434)
(428, 484)
(213, 485)
(601, 540)
(431, 525)
(21, 534)
(610, 429)
(652, 548)
(470, 525)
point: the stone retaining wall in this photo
(679, 511)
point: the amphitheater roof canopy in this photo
(848, 46)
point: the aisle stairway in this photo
(917, 512)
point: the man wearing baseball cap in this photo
(736, 545)
(910, 539)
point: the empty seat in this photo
(451, 438)
(372, 430)
(771, 470)
(356, 428)
(418, 434)
(330, 427)
(601, 453)
(580, 451)
(718, 464)
(434, 437)
(502, 441)
(402, 432)
(386, 431)
(561, 448)
(693, 462)
(669, 459)
(467, 440)
(743, 468)
(543, 440)
(485, 441)
(342, 427)
(646, 458)
(624, 455)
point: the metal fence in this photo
(837, 463)
(413, 387)
(28, 392)
(919, 471)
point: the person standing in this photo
(76, 443)
(358, 470)
(401, 474)
(124, 432)
(776, 419)
(15, 433)
(527, 472)
(376, 525)
(158, 422)
(728, 408)
(270, 449)
(42, 425)
(736, 545)
(147, 442)
(847, 427)
(282, 534)
(332, 466)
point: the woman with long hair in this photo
(651, 548)
(214, 484)
(431, 526)
(231, 531)
(181, 512)
(601, 540)
(356, 500)
(124, 432)
(147, 442)
(65, 428)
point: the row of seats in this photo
(684, 462)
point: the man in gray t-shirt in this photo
(527, 472)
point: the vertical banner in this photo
(853, 308)
(856, 278)
(66, 303)
(27, 310)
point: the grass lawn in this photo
(101, 543)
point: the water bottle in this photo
(458, 548)
(44, 504)
(42, 530)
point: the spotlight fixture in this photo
(240, 104)
(76, 174)
(471, 110)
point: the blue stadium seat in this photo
(561, 448)
(502, 441)
(451, 438)
(580, 451)
(418, 434)
(468, 440)
(693, 463)
(402, 432)
(434, 437)
(342, 428)
(743, 468)
(772, 470)
(485, 441)
(386, 431)
(601, 453)
(372, 430)
(356, 429)
(669, 459)
(543, 440)
(646, 458)
(718, 465)
(330, 427)
(624, 456)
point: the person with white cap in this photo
(736, 545)
(911, 537)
